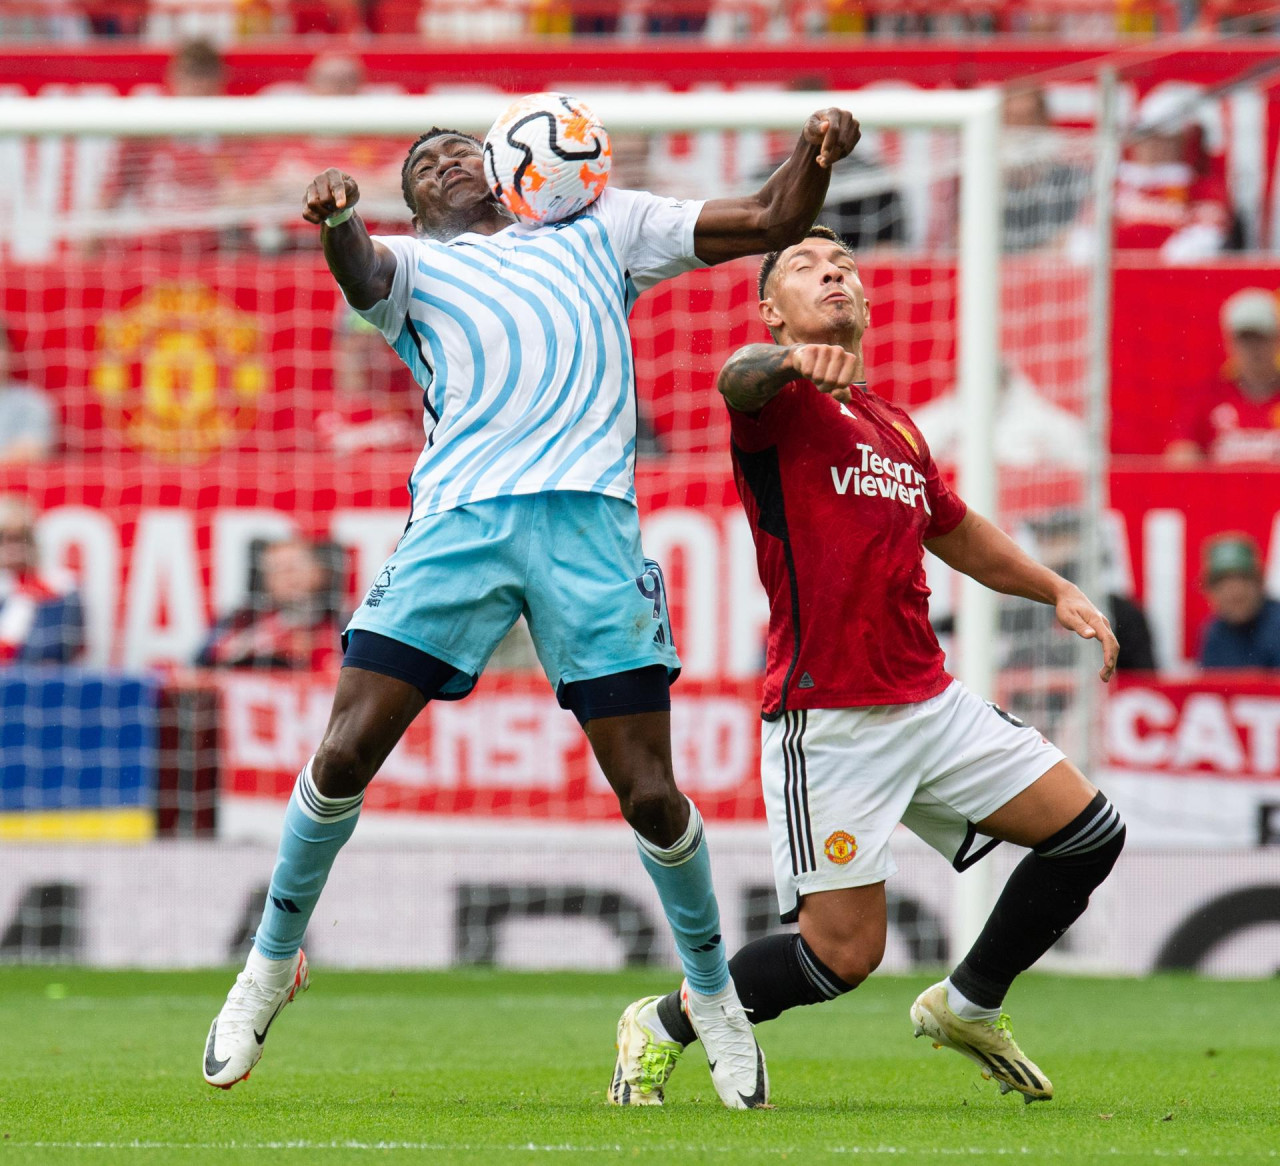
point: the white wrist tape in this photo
(339, 217)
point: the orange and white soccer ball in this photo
(547, 158)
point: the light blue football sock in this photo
(682, 875)
(315, 828)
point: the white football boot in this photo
(645, 1061)
(989, 1044)
(237, 1033)
(737, 1063)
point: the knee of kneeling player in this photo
(852, 957)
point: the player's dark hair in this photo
(770, 261)
(433, 132)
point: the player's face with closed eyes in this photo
(446, 178)
(816, 295)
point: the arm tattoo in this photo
(754, 375)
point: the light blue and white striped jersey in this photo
(521, 345)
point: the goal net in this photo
(227, 474)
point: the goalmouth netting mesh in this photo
(225, 472)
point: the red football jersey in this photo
(840, 499)
(1229, 426)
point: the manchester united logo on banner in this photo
(180, 370)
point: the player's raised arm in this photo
(780, 212)
(756, 373)
(364, 269)
(984, 552)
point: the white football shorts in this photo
(838, 781)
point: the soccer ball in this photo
(547, 158)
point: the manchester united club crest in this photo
(180, 371)
(840, 847)
(905, 434)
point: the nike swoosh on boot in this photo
(262, 1036)
(213, 1066)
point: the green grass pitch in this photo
(103, 1067)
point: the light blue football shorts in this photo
(570, 562)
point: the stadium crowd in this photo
(227, 20)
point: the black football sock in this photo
(770, 975)
(1047, 892)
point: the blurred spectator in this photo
(1244, 631)
(196, 69)
(1043, 193)
(43, 20)
(28, 428)
(41, 619)
(1034, 636)
(677, 18)
(375, 406)
(291, 620)
(1236, 17)
(178, 184)
(274, 194)
(335, 75)
(332, 17)
(1170, 197)
(1237, 417)
(170, 20)
(1030, 430)
(863, 205)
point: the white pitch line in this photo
(566, 1148)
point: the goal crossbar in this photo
(643, 113)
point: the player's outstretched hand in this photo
(1077, 614)
(835, 132)
(830, 368)
(329, 193)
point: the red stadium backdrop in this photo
(167, 549)
(259, 330)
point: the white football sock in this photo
(965, 1008)
(270, 973)
(653, 1022)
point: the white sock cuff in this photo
(319, 808)
(684, 847)
(266, 970)
(965, 1008)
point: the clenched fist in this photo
(329, 193)
(835, 132)
(830, 367)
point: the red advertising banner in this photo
(507, 751)
(1225, 725)
(1195, 762)
(165, 549)
(162, 550)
